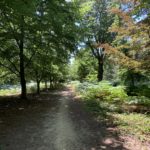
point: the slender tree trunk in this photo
(100, 69)
(46, 85)
(51, 82)
(38, 87)
(23, 82)
(22, 69)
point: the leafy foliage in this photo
(35, 37)
(114, 98)
(138, 100)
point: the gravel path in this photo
(55, 122)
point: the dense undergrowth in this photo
(129, 113)
(115, 96)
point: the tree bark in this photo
(23, 82)
(51, 82)
(46, 85)
(22, 69)
(38, 87)
(100, 69)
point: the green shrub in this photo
(92, 77)
(117, 94)
(104, 91)
(138, 100)
(107, 96)
(32, 89)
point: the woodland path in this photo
(56, 121)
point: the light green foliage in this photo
(84, 66)
(14, 90)
(92, 77)
(32, 89)
(103, 91)
(101, 96)
(114, 98)
(85, 7)
(117, 93)
(73, 69)
(8, 92)
(138, 100)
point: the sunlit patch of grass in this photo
(134, 124)
(7, 92)
(16, 90)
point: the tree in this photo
(14, 30)
(133, 34)
(97, 21)
(29, 30)
(131, 45)
(83, 66)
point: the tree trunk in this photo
(100, 69)
(46, 85)
(22, 69)
(23, 83)
(38, 87)
(51, 82)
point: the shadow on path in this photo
(53, 121)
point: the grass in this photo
(15, 91)
(7, 92)
(134, 124)
(30, 89)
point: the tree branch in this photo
(30, 59)
(12, 29)
(10, 69)
(13, 65)
(8, 59)
(92, 49)
(5, 75)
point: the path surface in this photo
(55, 122)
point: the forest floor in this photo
(57, 120)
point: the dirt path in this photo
(55, 122)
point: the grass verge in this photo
(134, 124)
